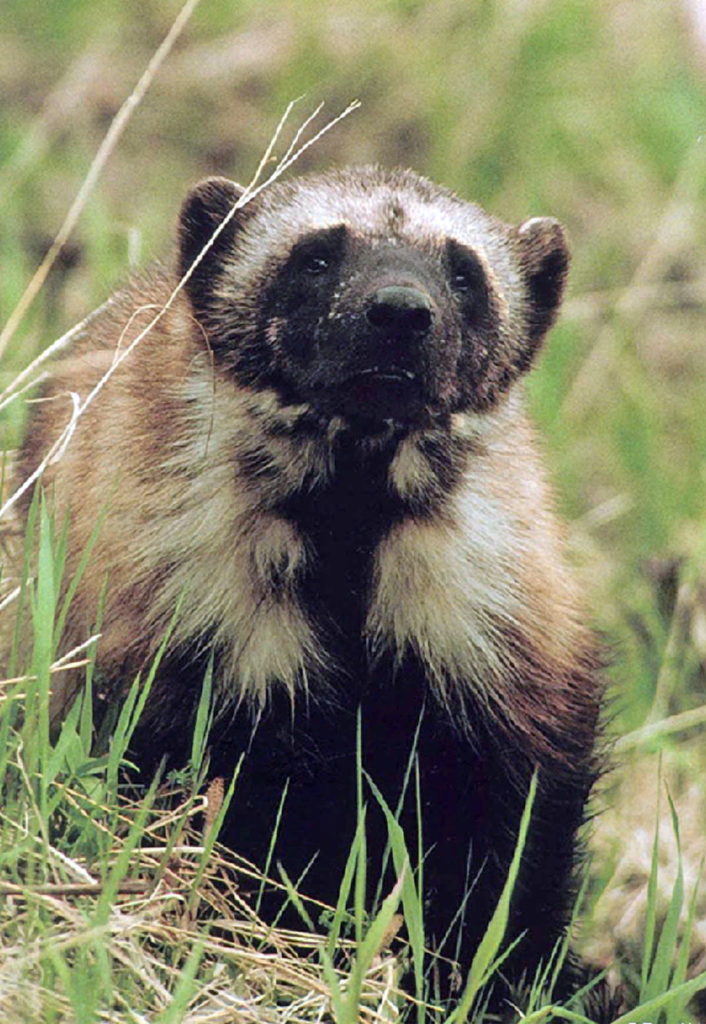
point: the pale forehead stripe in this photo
(316, 209)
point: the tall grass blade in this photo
(203, 721)
(487, 951)
(271, 846)
(368, 949)
(360, 876)
(646, 1011)
(412, 901)
(677, 1011)
(661, 968)
(344, 890)
(652, 896)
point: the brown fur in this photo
(138, 457)
(155, 453)
(350, 516)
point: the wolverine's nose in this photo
(400, 309)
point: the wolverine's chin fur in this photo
(331, 415)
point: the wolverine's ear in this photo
(544, 258)
(205, 208)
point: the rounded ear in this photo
(544, 258)
(205, 208)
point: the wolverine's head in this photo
(369, 294)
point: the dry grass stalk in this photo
(117, 127)
(248, 973)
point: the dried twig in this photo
(117, 127)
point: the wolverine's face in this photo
(375, 328)
(370, 296)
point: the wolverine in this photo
(315, 475)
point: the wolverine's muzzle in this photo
(382, 392)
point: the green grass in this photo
(592, 112)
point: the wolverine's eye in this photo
(462, 281)
(318, 253)
(315, 263)
(466, 275)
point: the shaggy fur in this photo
(320, 452)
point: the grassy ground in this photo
(589, 110)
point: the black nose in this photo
(400, 309)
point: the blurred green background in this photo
(593, 111)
